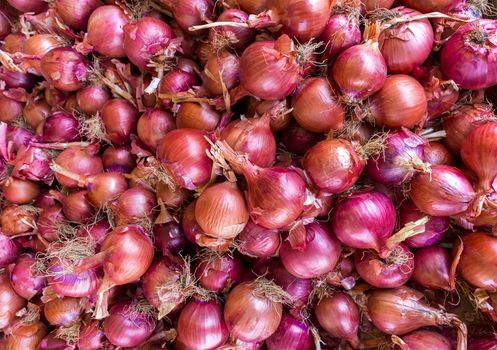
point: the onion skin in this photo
(319, 255)
(10, 250)
(170, 238)
(218, 273)
(410, 104)
(135, 205)
(176, 81)
(433, 268)
(333, 165)
(65, 69)
(316, 107)
(427, 6)
(292, 334)
(63, 312)
(234, 37)
(340, 33)
(222, 67)
(188, 13)
(118, 159)
(28, 5)
(474, 70)
(153, 125)
(38, 45)
(437, 154)
(339, 316)
(364, 220)
(91, 337)
(106, 31)
(26, 336)
(16, 220)
(445, 191)
(478, 263)
(35, 111)
(91, 99)
(250, 315)
(201, 325)
(198, 116)
(424, 339)
(75, 285)
(82, 161)
(10, 302)
(19, 191)
(59, 127)
(256, 241)
(23, 280)
(76, 207)
(119, 118)
(10, 109)
(298, 140)
(76, 13)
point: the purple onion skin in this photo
(170, 238)
(432, 268)
(424, 339)
(434, 228)
(60, 127)
(10, 250)
(23, 279)
(339, 34)
(291, 334)
(483, 344)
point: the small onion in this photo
(106, 30)
(10, 109)
(63, 312)
(82, 161)
(91, 337)
(292, 334)
(92, 98)
(38, 45)
(65, 69)
(23, 278)
(198, 116)
(10, 250)
(59, 127)
(221, 71)
(188, 13)
(27, 335)
(10, 301)
(170, 238)
(234, 37)
(76, 207)
(175, 81)
(341, 32)
(257, 241)
(119, 118)
(153, 125)
(135, 205)
(76, 13)
(68, 284)
(433, 269)
(219, 273)
(424, 339)
(437, 154)
(118, 159)
(19, 191)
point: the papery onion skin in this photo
(76, 208)
(17, 219)
(333, 165)
(10, 250)
(19, 191)
(65, 69)
(23, 278)
(82, 161)
(432, 268)
(190, 13)
(257, 241)
(478, 263)
(91, 337)
(340, 33)
(104, 187)
(59, 127)
(63, 311)
(364, 220)
(437, 154)
(119, 159)
(26, 336)
(9, 108)
(105, 31)
(425, 339)
(153, 125)
(250, 315)
(75, 13)
(198, 116)
(35, 111)
(75, 285)
(28, 5)
(465, 57)
(339, 316)
(135, 205)
(91, 99)
(119, 118)
(10, 301)
(445, 191)
(222, 67)
(201, 325)
(236, 38)
(319, 256)
(292, 334)
(176, 81)
(38, 45)
(401, 102)
(316, 107)
(219, 273)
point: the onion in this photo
(445, 191)
(170, 238)
(82, 161)
(221, 211)
(364, 220)
(434, 228)
(237, 38)
(35, 111)
(182, 153)
(198, 116)
(126, 254)
(477, 264)
(63, 312)
(26, 335)
(201, 325)
(319, 254)
(10, 250)
(275, 196)
(252, 137)
(10, 302)
(221, 71)
(434, 268)
(33, 163)
(339, 316)
(341, 32)
(315, 106)
(16, 79)
(407, 45)
(257, 241)
(65, 69)
(76, 207)
(402, 310)
(96, 231)
(401, 158)
(14, 42)
(51, 223)
(189, 13)
(370, 5)
(4, 25)
(361, 70)
(106, 30)
(253, 310)
(437, 154)
(118, 159)
(479, 154)
(424, 339)
(92, 98)
(68, 284)
(146, 38)
(19, 191)
(252, 6)
(10, 109)
(37, 46)
(76, 13)
(119, 119)
(401, 102)
(292, 334)
(23, 279)
(55, 97)
(280, 120)
(471, 47)
(175, 81)
(298, 140)
(429, 5)
(135, 205)
(172, 197)
(59, 127)
(153, 125)
(460, 13)
(28, 5)
(462, 121)
(392, 271)
(16, 220)
(482, 344)
(219, 273)
(91, 337)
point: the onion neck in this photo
(56, 168)
(411, 229)
(102, 304)
(90, 262)
(265, 19)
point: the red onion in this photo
(9, 250)
(129, 324)
(339, 316)
(119, 118)
(364, 220)
(118, 159)
(275, 196)
(437, 154)
(10, 109)
(361, 70)
(96, 231)
(92, 98)
(279, 121)
(14, 42)
(401, 158)
(253, 310)
(69, 284)
(341, 32)
(257, 241)
(316, 107)
(23, 278)
(269, 70)
(76, 207)
(401, 102)
(424, 339)
(37, 46)
(54, 341)
(298, 140)
(471, 47)
(407, 45)
(462, 121)
(4, 25)
(182, 153)
(229, 36)
(170, 238)
(16, 220)
(219, 273)
(479, 153)
(76, 13)
(477, 264)
(146, 38)
(91, 337)
(64, 68)
(106, 30)
(55, 97)
(188, 13)
(434, 269)
(50, 222)
(445, 191)
(172, 197)
(483, 344)
(429, 6)
(10, 302)
(198, 116)
(434, 228)
(201, 325)
(19, 191)
(16, 79)
(252, 137)
(135, 205)
(392, 271)
(370, 5)
(28, 5)
(26, 335)
(333, 165)
(59, 127)
(35, 111)
(82, 161)
(153, 125)
(63, 311)
(292, 334)
(175, 81)
(221, 71)
(318, 255)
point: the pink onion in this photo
(292, 334)
(106, 30)
(340, 33)
(65, 69)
